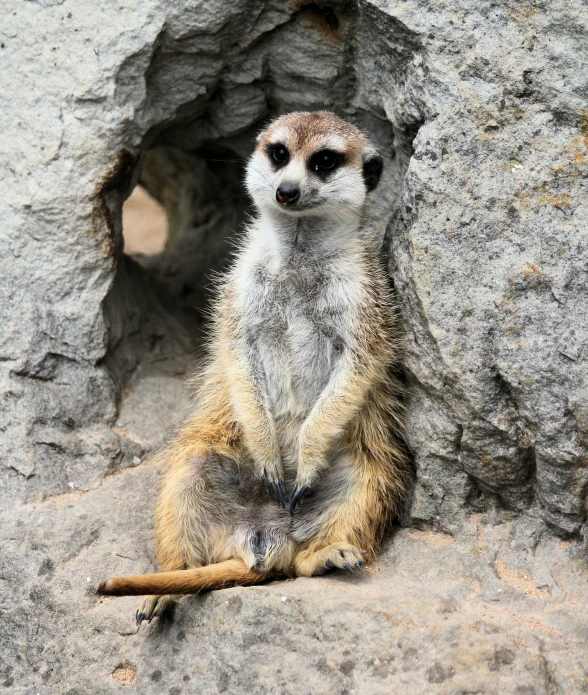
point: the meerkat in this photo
(290, 464)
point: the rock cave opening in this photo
(180, 223)
(179, 185)
(145, 227)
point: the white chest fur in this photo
(295, 345)
(297, 313)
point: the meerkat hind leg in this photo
(343, 556)
(154, 607)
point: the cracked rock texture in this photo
(499, 609)
(480, 110)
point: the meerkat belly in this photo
(296, 356)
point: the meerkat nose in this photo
(287, 194)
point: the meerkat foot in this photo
(338, 555)
(345, 557)
(153, 607)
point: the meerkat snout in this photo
(312, 164)
(287, 194)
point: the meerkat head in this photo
(312, 164)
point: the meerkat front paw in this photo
(308, 472)
(300, 491)
(305, 481)
(272, 478)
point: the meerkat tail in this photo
(191, 581)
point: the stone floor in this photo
(501, 609)
(480, 614)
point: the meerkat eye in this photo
(325, 161)
(279, 154)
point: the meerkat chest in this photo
(297, 330)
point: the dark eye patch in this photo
(325, 162)
(279, 155)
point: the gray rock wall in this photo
(489, 249)
(481, 111)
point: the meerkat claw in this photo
(275, 490)
(266, 484)
(282, 493)
(297, 496)
(277, 494)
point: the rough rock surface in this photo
(481, 112)
(499, 609)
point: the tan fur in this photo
(305, 130)
(219, 576)
(232, 433)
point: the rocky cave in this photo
(480, 112)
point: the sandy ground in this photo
(144, 224)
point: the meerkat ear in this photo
(372, 169)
